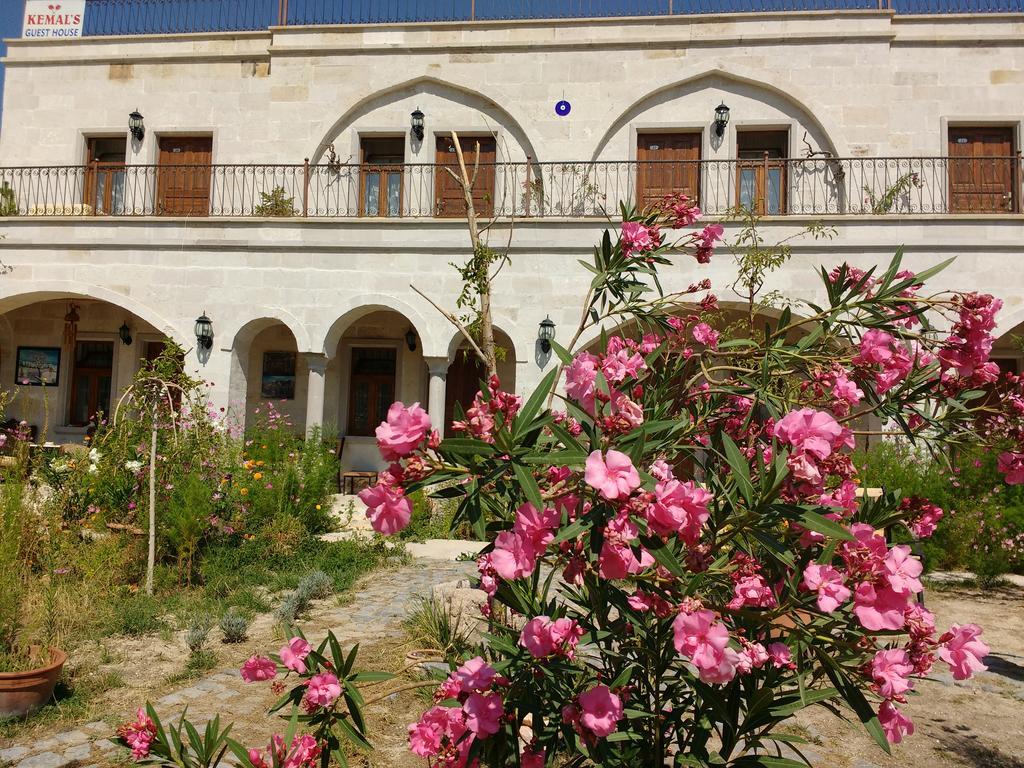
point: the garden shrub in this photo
(234, 626)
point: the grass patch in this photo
(198, 663)
(439, 625)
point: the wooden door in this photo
(448, 199)
(667, 163)
(104, 184)
(380, 177)
(91, 381)
(464, 377)
(371, 388)
(183, 176)
(761, 171)
(983, 173)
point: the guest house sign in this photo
(50, 19)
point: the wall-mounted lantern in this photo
(135, 125)
(125, 334)
(721, 118)
(204, 331)
(417, 123)
(546, 334)
(410, 340)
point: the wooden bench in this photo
(349, 482)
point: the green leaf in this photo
(818, 524)
(740, 469)
(573, 530)
(352, 734)
(796, 703)
(533, 405)
(371, 677)
(529, 485)
(663, 553)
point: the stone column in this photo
(316, 364)
(438, 367)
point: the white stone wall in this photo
(858, 84)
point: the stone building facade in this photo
(280, 189)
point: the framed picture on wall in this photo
(37, 367)
(278, 376)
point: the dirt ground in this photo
(977, 723)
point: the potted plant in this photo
(28, 672)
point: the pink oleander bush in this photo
(679, 557)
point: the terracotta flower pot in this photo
(22, 693)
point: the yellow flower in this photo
(257, 475)
(318, 506)
(243, 491)
(259, 463)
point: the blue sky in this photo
(10, 26)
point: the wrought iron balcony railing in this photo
(880, 186)
(139, 17)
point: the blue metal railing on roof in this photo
(138, 17)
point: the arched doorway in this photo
(467, 375)
(66, 359)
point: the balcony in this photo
(880, 186)
(139, 17)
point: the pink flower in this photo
(879, 608)
(513, 557)
(303, 751)
(753, 591)
(138, 734)
(613, 477)
(531, 758)
(440, 729)
(293, 655)
(902, 570)
(638, 238)
(483, 714)
(601, 710)
(581, 380)
(895, 724)
(705, 334)
(322, 689)
(780, 655)
(621, 365)
(258, 668)
(475, 675)
(828, 583)
(890, 670)
(403, 431)
(814, 436)
(708, 236)
(704, 641)
(1012, 466)
(962, 649)
(679, 508)
(387, 508)
(543, 637)
(626, 410)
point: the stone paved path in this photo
(373, 614)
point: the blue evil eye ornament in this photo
(563, 108)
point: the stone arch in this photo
(13, 296)
(245, 372)
(438, 88)
(265, 317)
(359, 306)
(736, 80)
(506, 341)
